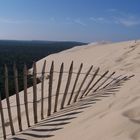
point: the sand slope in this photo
(116, 117)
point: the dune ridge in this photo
(112, 118)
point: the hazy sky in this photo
(75, 20)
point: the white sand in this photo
(116, 117)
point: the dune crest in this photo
(116, 117)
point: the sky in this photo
(70, 20)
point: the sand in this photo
(116, 117)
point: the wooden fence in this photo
(78, 85)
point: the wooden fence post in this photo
(75, 83)
(58, 87)
(104, 81)
(90, 82)
(7, 100)
(88, 72)
(25, 94)
(50, 89)
(17, 96)
(111, 81)
(34, 93)
(115, 82)
(125, 77)
(97, 82)
(67, 86)
(119, 80)
(2, 119)
(131, 76)
(42, 90)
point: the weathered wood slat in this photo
(2, 119)
(104, 81)
(50, 89)
(131, 76)
(17, 97)
(90, 82)
(78, 92)
(96, 82)
(42, 90)
(34, 93)
(67, 86)
(7, 100)
(117, 82)
(25, 94)
(111, 81)
(58, 87)
(75, 83)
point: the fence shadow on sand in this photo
(47, 127)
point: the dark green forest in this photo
(25, 52)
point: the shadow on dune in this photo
(57, 121)
(15, 138)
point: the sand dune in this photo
(116, 117)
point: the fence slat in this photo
(17, 96)
(104, 81)
(116, 82)
(78, 92)
(25, 94)
(58, 87)
(131, 76)
(97, 82)
(34, 93)
(75, 83)
(2, 119)
(67, 86)
(42, 90)
(121, 79)
(7, 100)
(111, 81)
(90, 82)
(50, 89)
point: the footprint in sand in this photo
(126, 54)
(136, 135)
(133, 114)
